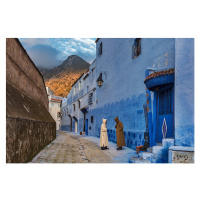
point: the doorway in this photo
(76, 126)
(165, 118)
(86, 127)
(84, 123)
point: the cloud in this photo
(29, 42)
(44, 56)
(50, 52)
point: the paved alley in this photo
(74, 148)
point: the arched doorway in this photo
(161, 106)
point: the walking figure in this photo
(104, 135)
(120, 134)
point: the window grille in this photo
(90, 97)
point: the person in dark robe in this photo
(120, 134)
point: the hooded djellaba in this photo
(104, 135)
(120, 134)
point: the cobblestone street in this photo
(73, 148)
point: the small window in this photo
(52, 104)
(74, 107)
(58, 105)
(58, 115)
(100, 49)
(136, 48)
(65, 112)
(74, 90)
(79, 85)
(92, 118)
(92, 71)
(87, 88)
(79, 104)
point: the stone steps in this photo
(155, 154)
(146, 155)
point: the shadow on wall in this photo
(130, 112)
(28, 129)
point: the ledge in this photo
(159, 78)
(181, 148)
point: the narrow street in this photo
(74, 148)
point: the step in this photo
(149, 149)
(141, 153)
(168, 142)
(146, 155)
(156, 149)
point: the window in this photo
(90, 97)
(52, 104)
(74, 90)
(100, 49)
(87, 89)
(74, 107)
(92, 71)
(136, 48)
(79, 104)
(58, 105)
(79, 85)
(65, 112)
(58, 115)
(92, 118)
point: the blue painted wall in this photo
(184, 92)
(65, 128)
(123, 93)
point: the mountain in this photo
(60, 79)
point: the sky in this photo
(51, 52)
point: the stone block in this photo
(181, 154)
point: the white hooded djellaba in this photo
(103, 135)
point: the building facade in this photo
(55, 107)
(82, 98)
(149, 84)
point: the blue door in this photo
(86, 126)
(165, 120)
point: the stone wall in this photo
(21, 72)
(29, 125)
(25, 138)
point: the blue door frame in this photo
(165, 112)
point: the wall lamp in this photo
(100, 80)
